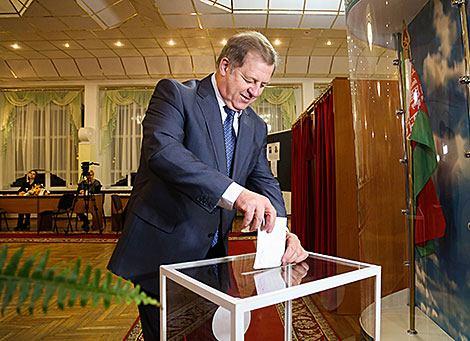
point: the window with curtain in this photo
(39, 131)
(277, 106)
(122, 113)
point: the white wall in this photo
(92, 89)
(91, 102)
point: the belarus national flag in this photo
(430, 222)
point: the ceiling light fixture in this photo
(328, 43)
(171, 42)
(277, 42)
(15, 46)
(118, 44)
(67, 45)
(224, 42)
(14, 9)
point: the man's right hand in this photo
(297, 272)
(256, 209)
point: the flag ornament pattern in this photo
(430, 222)
(416, 103)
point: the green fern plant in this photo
(68, 282)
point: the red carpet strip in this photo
(92, 237)
(48, 237)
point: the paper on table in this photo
(271, 246)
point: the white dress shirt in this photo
(233, 190)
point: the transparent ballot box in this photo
(226, 299)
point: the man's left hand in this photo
(295, 253)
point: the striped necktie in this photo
(230, 139)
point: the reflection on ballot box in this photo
(37, 204)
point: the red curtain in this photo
(302, 182)
(313, 216)
(324, 227)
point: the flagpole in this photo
(407, 161)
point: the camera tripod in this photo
(88, 196)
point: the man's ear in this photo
(224, 66)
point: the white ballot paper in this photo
(271, 246)
(269, 280)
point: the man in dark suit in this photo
(187, 186)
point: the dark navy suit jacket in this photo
(172, 214)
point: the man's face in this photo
(241, 86)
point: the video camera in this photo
(86, 167)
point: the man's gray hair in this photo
(240, 44)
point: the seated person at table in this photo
(88, 186)
(26, 187)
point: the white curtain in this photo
(127, 141)
(38, 133)
(122, 114)
(277, 107)
(271, 114)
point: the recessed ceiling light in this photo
(15, 46)
(328, 43)
(224, 42)
(171, 42)
(277, 42)
(118, 43)
(67, 45)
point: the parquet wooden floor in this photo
(77, 323)
(73, 323)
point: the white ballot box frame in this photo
(238, 306)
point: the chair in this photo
(63, 207)
(3, 214)
(120, 210)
